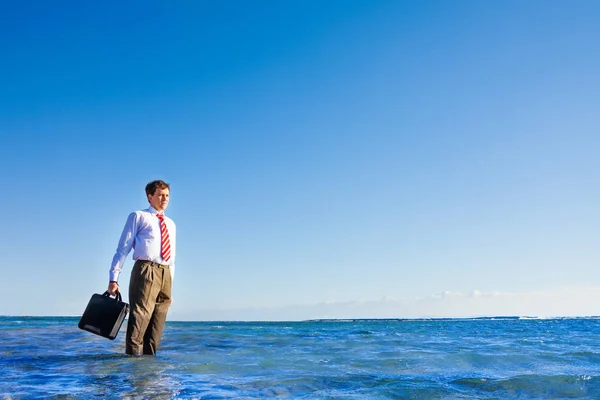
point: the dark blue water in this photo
(506, 358)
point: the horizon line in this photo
(482, 317)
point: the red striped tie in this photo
(164, 238)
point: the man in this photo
(151, 235)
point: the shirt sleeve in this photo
(124, 247)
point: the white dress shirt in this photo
(142, 234)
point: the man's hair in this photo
(152, 186)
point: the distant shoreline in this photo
(328, 320)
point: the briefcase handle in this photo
(117, 297)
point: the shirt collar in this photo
(153, 211)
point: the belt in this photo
(152, 263)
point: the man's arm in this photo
(123, 249)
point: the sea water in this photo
(487, 358)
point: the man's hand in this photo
(113, 288)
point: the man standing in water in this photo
(151, 235)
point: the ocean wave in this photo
(455, 359)
(538, 386)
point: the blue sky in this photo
(327, 159)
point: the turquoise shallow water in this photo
(503, 358)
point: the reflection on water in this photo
(151, 379)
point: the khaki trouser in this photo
(149, 298)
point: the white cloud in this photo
(571, 301)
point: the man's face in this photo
(159, 200)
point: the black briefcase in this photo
(104, 315)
